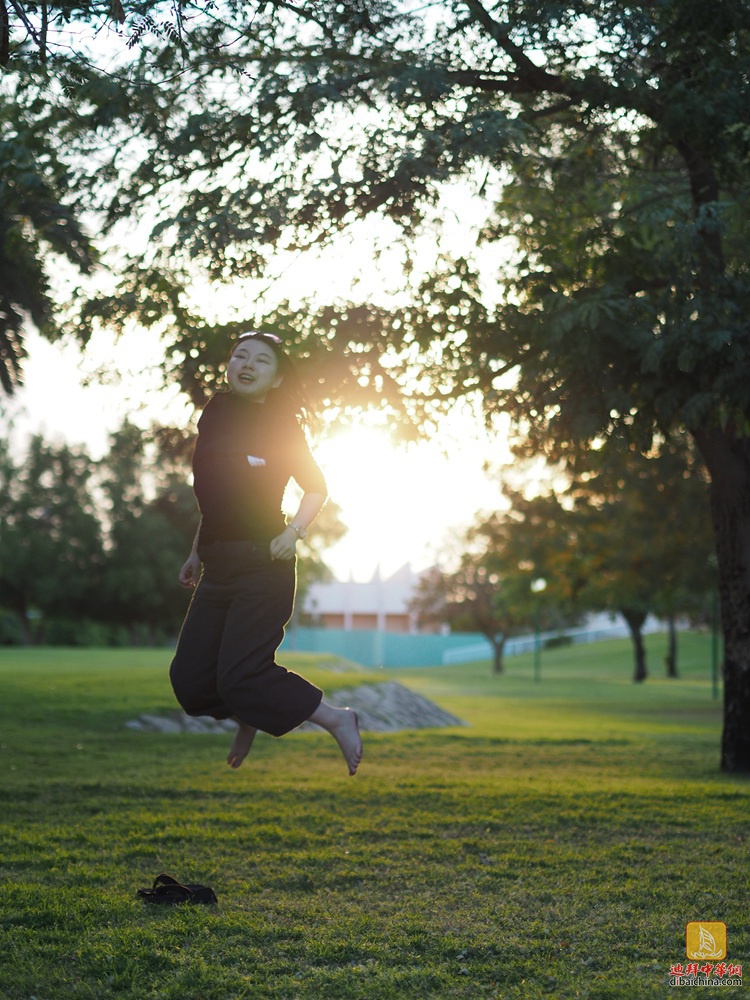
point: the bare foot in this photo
(241, 743)
(343, 725)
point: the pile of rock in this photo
(381, 708)
(390, 707)
(178, 722)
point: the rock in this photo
(381, 708)
(391, 707)
(161, 724)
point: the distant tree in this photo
(630, 534)
(84, 541)
(150, 525)
(492, 588)
(533, 537)
(641, 532)
(621, 563)
(51, 559)
(472, 598)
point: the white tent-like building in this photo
(381, 603)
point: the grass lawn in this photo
(554, 847)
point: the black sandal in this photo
(169, 891)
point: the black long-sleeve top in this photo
(245, 455)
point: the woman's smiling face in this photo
(253, 370)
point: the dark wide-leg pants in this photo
(224, 665)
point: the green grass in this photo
(555, 847)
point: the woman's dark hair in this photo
(290, 395)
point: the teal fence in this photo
(384, 649)
(394, 649)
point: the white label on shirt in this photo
(255, 462)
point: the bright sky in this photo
(399, 503)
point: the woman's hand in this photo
(191, 571)
(284, 546)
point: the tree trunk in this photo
(635, 620)
(727, 457)
(497, 653)
(671, 660)
(26, 630)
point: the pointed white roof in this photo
(389, 595)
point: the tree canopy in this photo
(608, 139)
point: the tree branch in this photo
(4, 34)
(592, 89)
(535, 76)
(43, 35)
(26, 22)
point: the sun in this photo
(400, 501)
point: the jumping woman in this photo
(251, 442)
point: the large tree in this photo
(611, 142)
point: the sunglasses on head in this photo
(259, 335)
